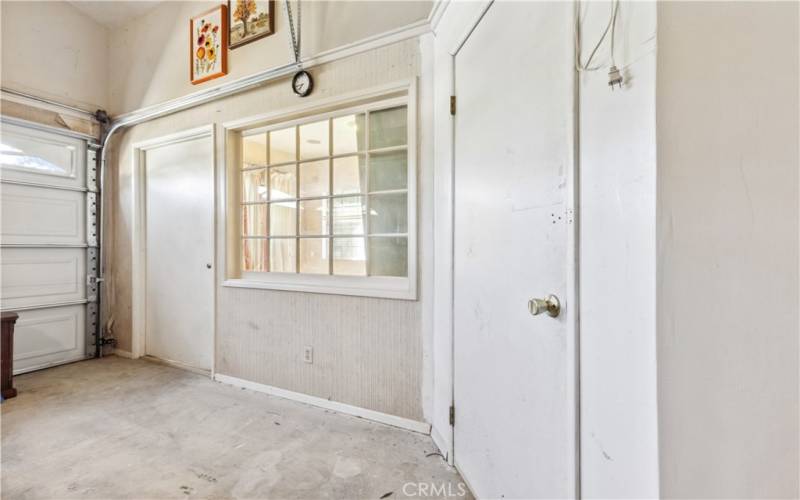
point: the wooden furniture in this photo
(7, 355)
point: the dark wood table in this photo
(7, 355)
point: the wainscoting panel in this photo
(366, 352)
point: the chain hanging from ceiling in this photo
(294, 33)
(302, 82)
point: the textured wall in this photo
(367, 352)
(727, 122)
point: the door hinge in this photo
(452, 105)
(452, 415)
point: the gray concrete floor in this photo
(118, 428)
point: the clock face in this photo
(302, 83)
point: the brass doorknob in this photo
(550, 305)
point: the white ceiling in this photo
(115, 13)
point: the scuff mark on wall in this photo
(601, 448)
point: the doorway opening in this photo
(173, 249)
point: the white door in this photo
(45, 244)
(514, 372)
(179, 279)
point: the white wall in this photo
(149, 60)
(52, 50)
(452, 25)
(617, 257)
(617, 170)
(728, 249)
(426, 194)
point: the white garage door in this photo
(48, 244)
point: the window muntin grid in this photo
(330, 201)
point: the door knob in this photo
(550, 305)
(208, 266)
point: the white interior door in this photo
(179, 280)
(514, 386)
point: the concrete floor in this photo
(118, 428)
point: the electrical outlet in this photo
(308, 354)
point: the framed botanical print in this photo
(250, 20)
(208, 45)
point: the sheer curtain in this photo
(282, 221)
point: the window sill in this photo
(374, 286)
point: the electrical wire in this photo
(613, 29)
(612, 24)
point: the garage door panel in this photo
(28, 155)
(44, 337)
(45, 210)
(36, 215)
(35, 276)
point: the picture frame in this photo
(208, 45)
(259, 21)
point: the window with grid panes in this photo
(328, 196)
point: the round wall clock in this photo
(302, 84)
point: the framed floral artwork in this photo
(249, 20)
(208, 45)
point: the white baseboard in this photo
(384, 418)
(123, 354)
(442, 443)
(177, 364)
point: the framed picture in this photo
(208, 45)
(250, 20)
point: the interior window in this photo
(327, 196)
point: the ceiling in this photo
(115, 13)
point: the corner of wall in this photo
(617, 157)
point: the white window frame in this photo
(399, 94)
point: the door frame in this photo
(139, 240)
(447, 254)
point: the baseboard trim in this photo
(441, 443)
(177, 364)
(376, 416)
(123, 354)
